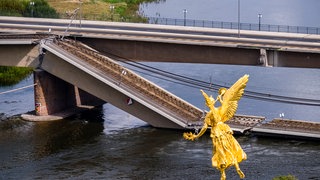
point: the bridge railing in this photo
(215, 24)
(234, 25)
(124, 76)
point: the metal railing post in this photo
(234, 25)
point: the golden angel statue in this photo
(226, 149)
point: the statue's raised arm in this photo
(209, 100)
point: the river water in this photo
(107, 143)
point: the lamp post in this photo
(111, 10)
(80, 5)
(184, 17)
(31, 4)
(259, 16)
(238, 18)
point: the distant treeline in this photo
(27, 8)
(129, 11)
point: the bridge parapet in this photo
(131, 81)
(24, 36)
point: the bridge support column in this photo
(263, 59)
(84, 98)
(274, 58)
(53, 95)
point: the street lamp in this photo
(111, 10)
(31, 4)
(238, 18)
(184, 17)
(259, 16)
(80, 8)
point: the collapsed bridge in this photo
(70, 74)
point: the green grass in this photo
(288, 177)
(12, 75)
(123, 10)
(23, 8)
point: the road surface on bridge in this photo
(170, 34)
(135, 86)
(10, 22)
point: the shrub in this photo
(288, 177)
(23, 8)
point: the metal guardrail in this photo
(292, 125)
(234, 25)
(217, 24)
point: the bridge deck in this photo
(146, 90)
(147, 42)
(289, 128)
(188, 115)
(133, 83)
(292, 125)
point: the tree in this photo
(27, 8)
(39, 8)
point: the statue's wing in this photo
(231, 97)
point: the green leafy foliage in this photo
(12, 7)
(12, 75)
(288, 177)
(127, 9)
(38, 8)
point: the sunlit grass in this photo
(89, 9)
(106, 10)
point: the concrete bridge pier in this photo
(54, 96)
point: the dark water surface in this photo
(77, 149)
(109, 144)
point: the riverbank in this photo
(13, 75)
(104, 10)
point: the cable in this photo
(17, 89)
(249, 94)
(195, 83)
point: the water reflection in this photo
(24, 142)
(116, 120)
